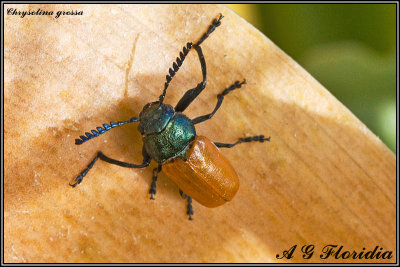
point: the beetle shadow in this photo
(125, 143)
(127, 140)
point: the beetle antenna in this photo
(100, 130)
(175, 67)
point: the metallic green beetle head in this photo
(154, 117)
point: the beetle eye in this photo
(147, 106)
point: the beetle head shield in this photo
(154, 117)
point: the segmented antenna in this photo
(100, 130)
(175, 67)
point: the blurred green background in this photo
(348, 48)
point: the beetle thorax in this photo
(166, 133)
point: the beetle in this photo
(193, 162)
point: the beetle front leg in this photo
(215, 23)
(100, 155)
(153, 190)
(191, 94)
(220, 98)
(189, 204)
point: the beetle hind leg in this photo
(153, 190)
(189, 204)
(257, 138)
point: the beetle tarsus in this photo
(79, 178)
(77, 181)
(153, 186)
(152, 190)
(100, 155)
(214, 24)
(189, 210)
(259, 138)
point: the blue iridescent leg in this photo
(100, 155)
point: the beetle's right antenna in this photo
(175, 66)
(100, 130)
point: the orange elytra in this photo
(206, 175)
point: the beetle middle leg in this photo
(259, 138)
(189, 204)
(220, 97)
(153, 190)
(100, 155)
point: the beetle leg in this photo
(153, 190)
(259, 138)
(191, 94)
(189, 208)
(100, 155)
(214, 24)
(189, 204)
(220, 97)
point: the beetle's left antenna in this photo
(100, 130)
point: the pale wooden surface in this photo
(323, 179)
